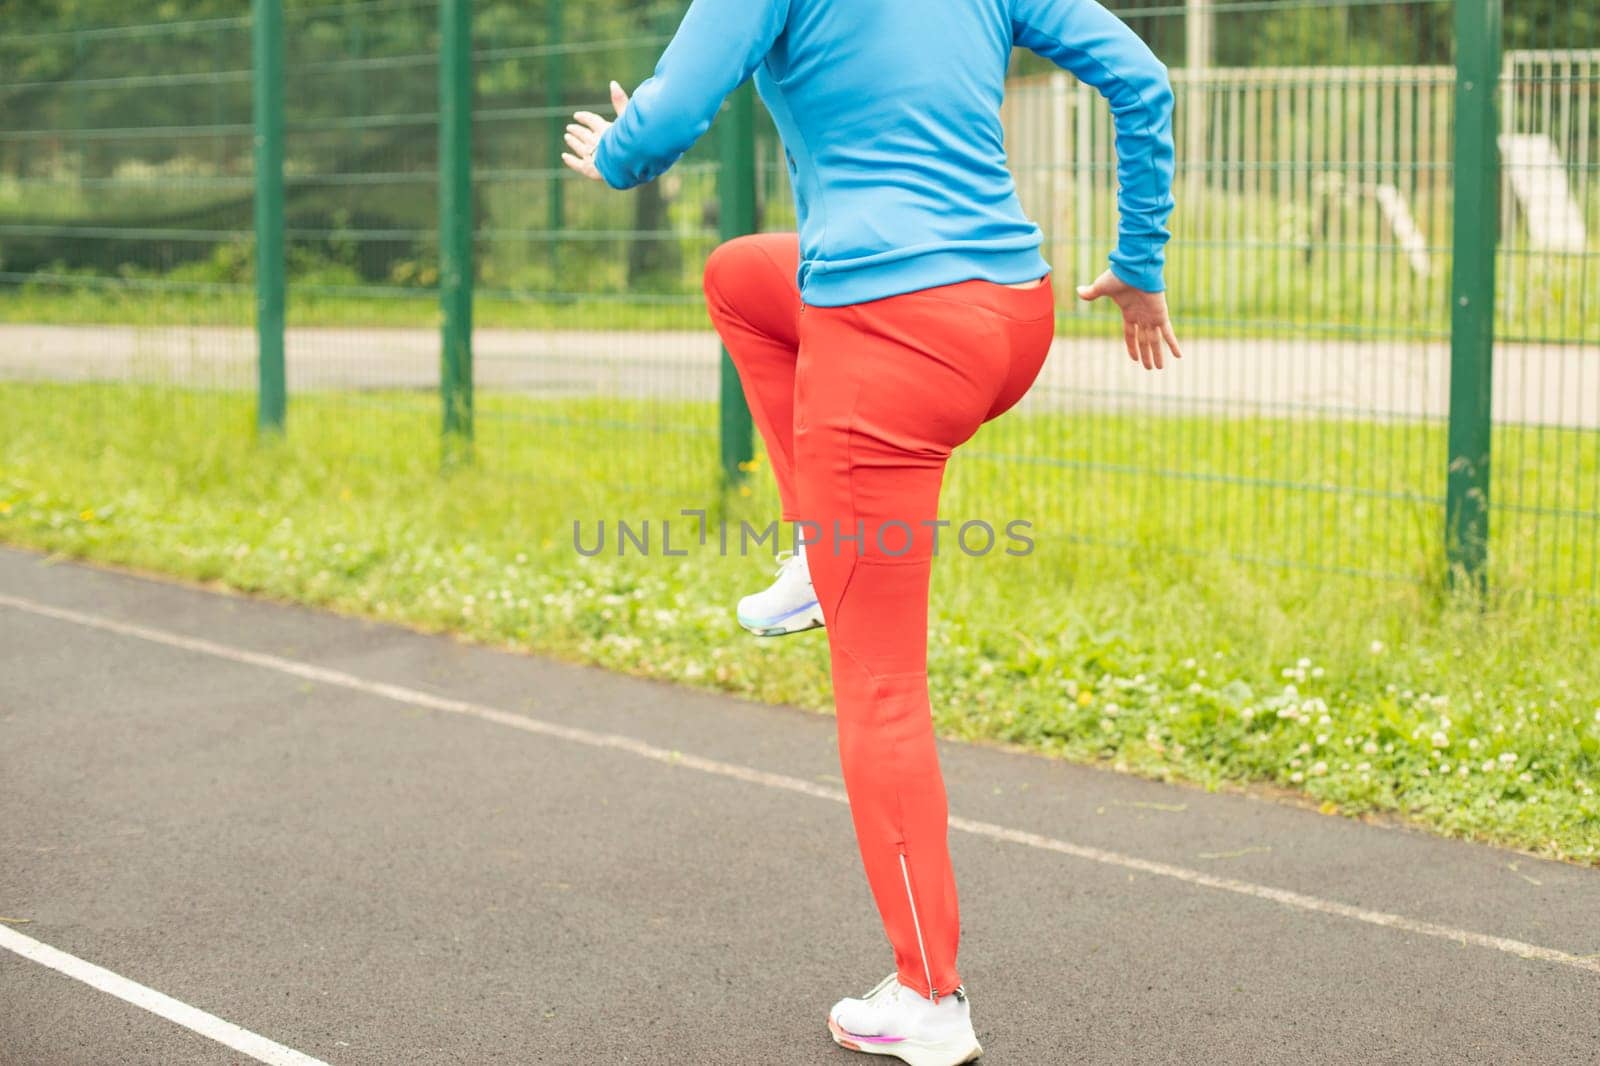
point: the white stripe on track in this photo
(417, 698)
(208, 1025)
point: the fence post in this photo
(455, 224)
(736, 191)
(267, 100)
(555, 97)
(1472, 294)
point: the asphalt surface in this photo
(367, 880)
(1536, 384)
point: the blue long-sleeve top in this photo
(889, 111)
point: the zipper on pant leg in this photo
(905, 872)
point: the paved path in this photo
(1536, 384)
(376, 847)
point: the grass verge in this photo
(1365, 696)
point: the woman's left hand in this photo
(583, 136)
(1146, 327)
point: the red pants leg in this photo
(880, 394)
(754, 301)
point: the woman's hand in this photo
(583, 136)
(1145, 325)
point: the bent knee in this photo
(761, 259)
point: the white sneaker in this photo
(789, 605)
(894, 1020)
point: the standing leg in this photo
(885, 391)
(754, 301)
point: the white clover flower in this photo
(1369, 748)
(1363, 766)
(1525, 777)
(1322, 738)
(1377, 647)
(1304, 748)
(1319, 768)
(1303, 663)
(1508, 758)
(1188, 664)
(1444, 768)
(1318, 672)
(1472, 744)
(1297, 777)
(1440, 739)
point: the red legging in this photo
(860, 407)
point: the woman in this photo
(912, 307)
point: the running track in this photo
(323, 840)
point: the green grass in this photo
(1363, 695)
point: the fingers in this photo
(619, 99)
(1172, 340)
(1130, 337)
(1089, 293)
(582, 166)
(592, 121)
(580, 145)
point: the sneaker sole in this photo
(809, 618)
(913, 1052)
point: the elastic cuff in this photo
(919, 984)
(616, 181)
(1143, 280)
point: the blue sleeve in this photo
(718, 45)
(1099, 48)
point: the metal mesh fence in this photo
(1310, 272)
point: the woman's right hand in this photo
(1146, 328)
(583, 136)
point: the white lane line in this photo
(417, 698)
(208, 1025)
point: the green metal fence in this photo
(1386, 266)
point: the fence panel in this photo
(125, 216)
(1307, 276)
(1545, 522)
(1309, 269)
